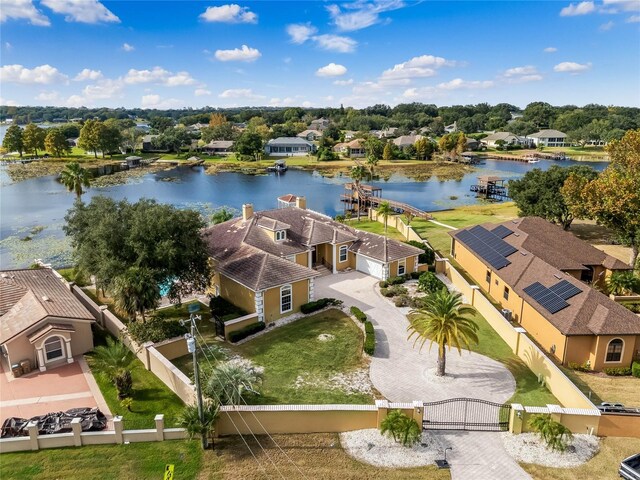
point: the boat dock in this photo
(527, 157)
(362, 197)
(491, 188)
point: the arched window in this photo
(614, 350)
(53, 349)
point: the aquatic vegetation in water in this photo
(16, 252)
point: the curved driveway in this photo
(404, 374)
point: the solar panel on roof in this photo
(565, 289)
(484, 250)
(547, 298)
(501, 231)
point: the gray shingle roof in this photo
(548, 134)
(289, 141)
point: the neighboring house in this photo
(319, 124)
(353, 149)
(406, 140)
(73, 142)
(289, 147)
(451, 128)
(350, 134)
(41, 320)
(147, 144)
(310, 135)
(549, 138)
(506, 137)
(265, 262)
(385, 132)
(472, 144)
(218, 147)
(537, 272)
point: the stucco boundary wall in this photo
(239, 323)
(78, 438)
(578, 420)
(290, 419)
(396, 222)
(557, 382)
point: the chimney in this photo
(247, 211)
(301, 202)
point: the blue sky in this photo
(317, 53)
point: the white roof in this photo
(548, 134)
(289, 141)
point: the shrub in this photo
(417, 302)
(554, 434)
(429, 283)
(245, 332)
(415, 275)
(224, 310)
(396, 280)
(383, 284)
(635, 369)
(402, 301)
(155, 329)
(584, 367)
(428, 257)
(401, 427)
(385, 292)
(359, 314)
(369, 338)
(398, 290)
(617, 371)
(319, 305)
(368, 328)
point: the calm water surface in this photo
(28, 206)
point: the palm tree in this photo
(358, 172)
(74, 177)
(135, 291)
(371, 162)
(623, 283)
(443, 320)
(230, 382)
(384, 209)
(114, 360)
(554, 434)
(190, 420)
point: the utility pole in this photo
(191, 346)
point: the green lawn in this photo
(106, 462)
(462, 217)
(374, 226)
(294, 351)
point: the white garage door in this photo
(369, 266)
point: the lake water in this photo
(26, 207)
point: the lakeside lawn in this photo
(603, 388)
(461, 217)
(294, 353)
(603, 466)
(374, 226)
(587, 153)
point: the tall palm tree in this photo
(358, 172)
(443, 320)
(74, 177)
(114, 360)
(372, 161)
(136, 291)
(384, 209)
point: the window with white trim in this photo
(343, 253)
(614, 350)
(286, 299)
(281, 235)
(53, 349)
(402, 267)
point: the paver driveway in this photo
(403, 374)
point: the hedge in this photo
(369, 338)
(428, 257)
(617, 371)
(396, 280)
(319, 305)
(245, 332)
(359, 314)
(635, 369)
(224, 310)
(155, 329)
(429, 283)
(368, 327)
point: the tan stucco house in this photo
(541, 276)
(266, 262)
(41, 320)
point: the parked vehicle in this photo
(611, 407)
(630, 467)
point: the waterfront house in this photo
(543, 277)
(353, 149)
(549, 138)
(147, 144)
(406, 140)
(451, 128)
(289, 147)
(495, 139)
(266, 262)
(319, 124)
(41, 321)
(218, 147)
(310, 135)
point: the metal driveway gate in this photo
(466, 414)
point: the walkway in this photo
(403, 374)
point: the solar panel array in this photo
(488, 245)
(501, 231)
(553, 298)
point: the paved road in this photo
(404, 374)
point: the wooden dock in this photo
(362, 197)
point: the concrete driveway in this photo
(403, 374)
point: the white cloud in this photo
(605, 27)
(572, 67)
(8, 47)
(246, 93)
(83, 11)
(550, 50)
(75, 101)
(574, 9)
(306, 104)
(360, 14)
(51, 97)
(155, 101)
(88, 74)
(331, 70)
(8, 103)
(159, 76)
(231, 13)
(458, 83)
(281, 102)
(44, 74)
(127, 47)
(301, 32)
(343, 83)
(622, 5)
(243, 54)
(417, 67)
(102, 89)
(335, 43)
(515, 71)
(22, 10)
(201, 92)
(633, 19)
